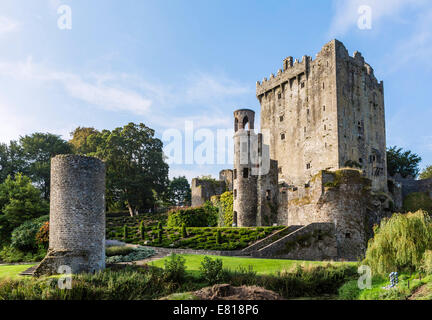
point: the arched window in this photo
(245, 123)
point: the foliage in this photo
(11, 160)
(226, 205)
(118, 251)
(191, 217)
(218, 237)
(179, 192)
(19, 201)
(184, 231)
(399, 243)
(136, 168)
(212, 214)
(42, 236)
(142, 230)
(211, 270)
(175, 269)
(136, 254)
(79, 139)
(426, 173)
(24, 236)
(13, 255)
(37, 150)
(417, 201)
(349, 290)
(125, 232)
(353, 164)
(427, 262)
(405, 163)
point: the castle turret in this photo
(245, 168)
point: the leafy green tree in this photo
(38, 149)
(405, 163)
(426, 173)
(400, 243)
(179, 191)
(19, 201)
(11, 160)
(79, 141)
(136, 167)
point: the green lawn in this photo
(261, 266)
(13, 271)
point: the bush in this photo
(349, 291)
(175, 269)
(218, 237)
(226, 206)
(211, 270)
(417, 201)
(400, 243)
(24, 236)
(118, 251)
(184, 231)
(142, 230)
(135, 254)
(13, 255)
(125, 232)
(191, 217)
(42, 236)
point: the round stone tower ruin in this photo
(77, 216)
(245, 164)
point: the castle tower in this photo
(245, 168)
(77, 216)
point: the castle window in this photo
(308, 111)
(235, 174)
(302, 84)
(281, 118)
(279, 96)
(245, 173)
(283, 136)
(348, 235)
(360, 160)
(323, 85)
(308, 166)
(323, 108)
(280, 170)
(235, 193)
(325, 127)
(268, 195)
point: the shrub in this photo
(160, 235)
(42, 236)
(191, 217)
(175, 269)
(135, 254)
(142, 230)
(125, 232)
(24, 236)
(219, 237)
(226, 204)
(417, 201)
(349, 291)
(118, 251)
(400, 243)
(211, 270)
(13, 255)
(212, 214)
(184, 231)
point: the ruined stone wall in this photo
(341, 197)
(227, 176)
(202, 190)
(77, 215)
(361, 117)
(410, 185)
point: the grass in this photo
(260, 266)
(13, 271)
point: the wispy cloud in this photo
(7, 25)
(346, 12)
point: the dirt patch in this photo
(228, 292)
(420, 292)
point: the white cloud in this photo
(7, 25)
(346, 12)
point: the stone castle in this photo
(319, 163)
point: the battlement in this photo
(293, 68)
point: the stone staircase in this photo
(253, 248)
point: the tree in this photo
(179, 191)
(136, 167)
(38, 149)
(405, 163)
(79, 141)
(426, 173)
(11, 160)
(19, 201)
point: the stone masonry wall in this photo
(77, 215)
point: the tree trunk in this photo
(131, 211)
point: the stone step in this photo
(268, 240)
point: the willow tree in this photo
(400, 242)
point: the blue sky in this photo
(164, 62)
